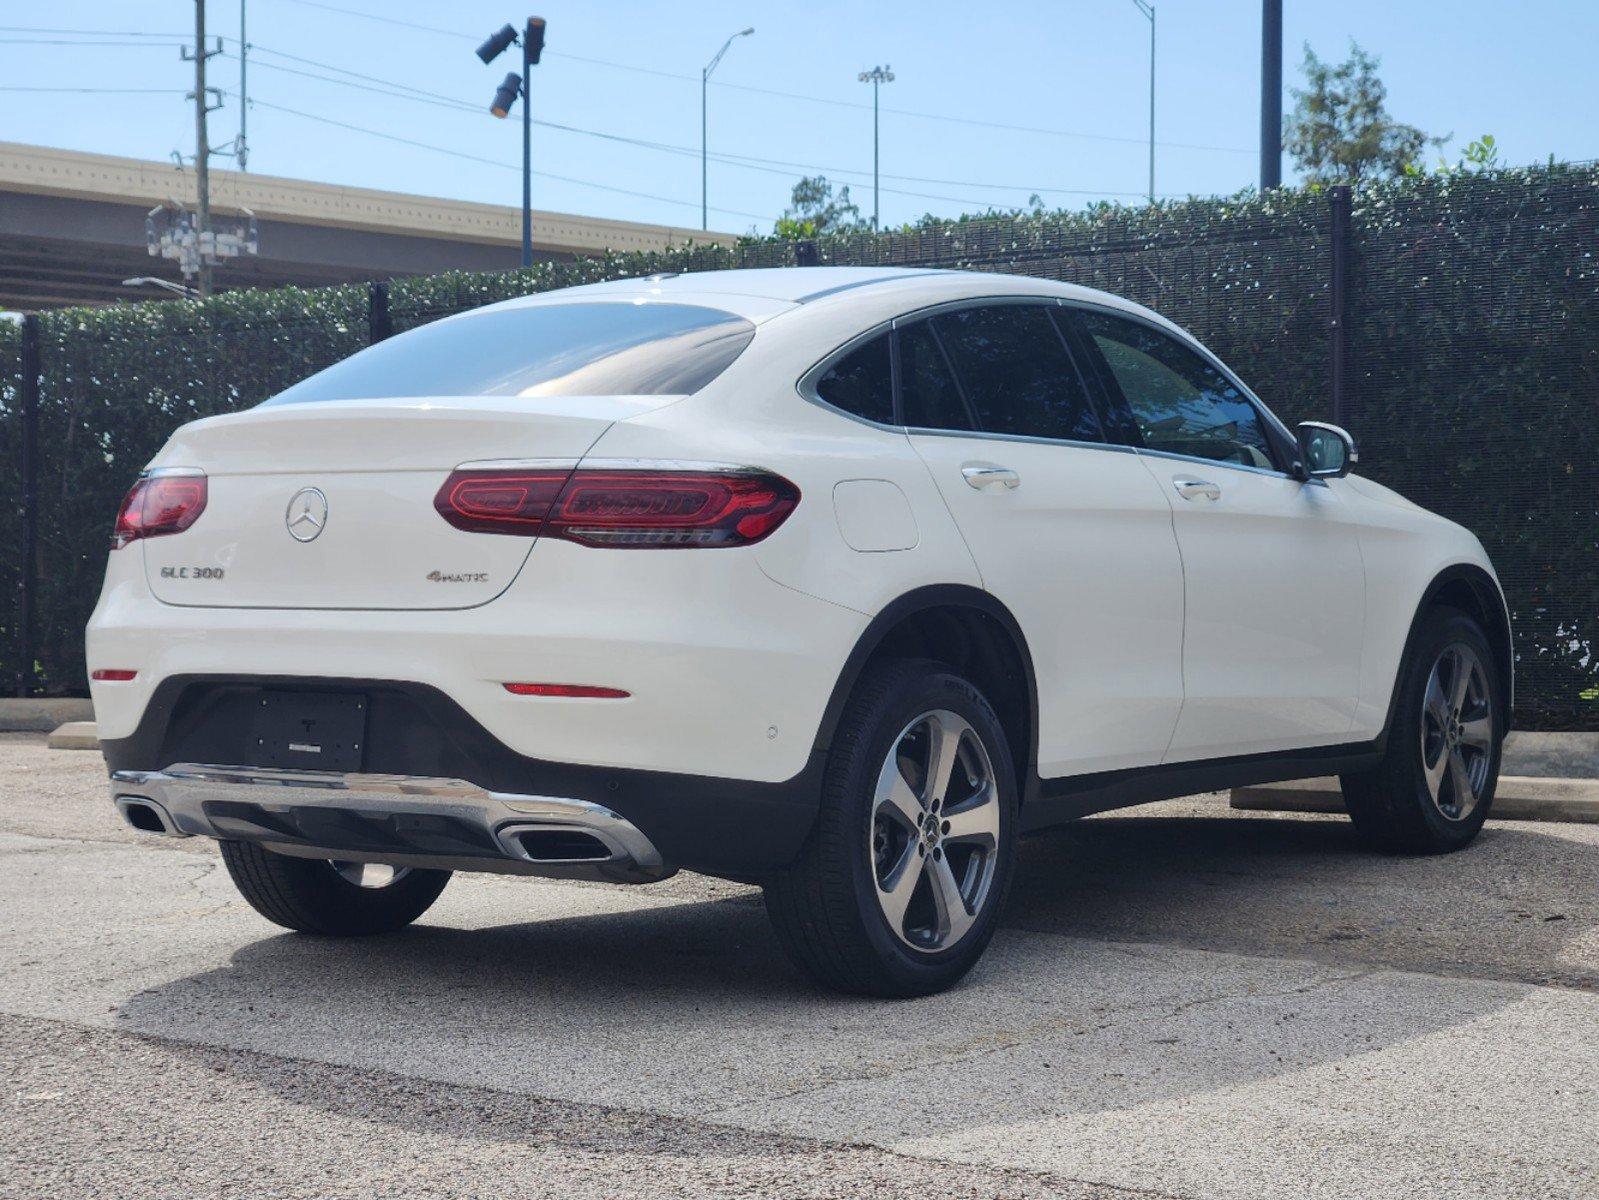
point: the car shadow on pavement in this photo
(1109, 956)
(1514, 905)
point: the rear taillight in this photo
(639, 508)
(159, 504)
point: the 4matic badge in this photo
(458, 577)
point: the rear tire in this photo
(312, 896)
(1433, 789)
(899, 886)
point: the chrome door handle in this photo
(982, 476)
(1196, 489)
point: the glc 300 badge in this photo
(455, 577)
(307, 514)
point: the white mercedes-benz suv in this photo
(832, 580)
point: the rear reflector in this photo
(158, 505)
(632, 507)
(112, 675)
(573, 690)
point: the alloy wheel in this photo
(1456, 731)
(935, 831)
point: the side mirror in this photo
(1325, 451)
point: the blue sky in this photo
(1051, 96)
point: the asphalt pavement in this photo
(1184, 1001)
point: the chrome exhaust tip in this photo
(146, 816)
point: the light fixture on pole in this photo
(1148, 9)
(514, 85)
(705, 82)
(876, 77)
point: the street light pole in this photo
(527, 148)
(1148, 9)
(1271, 94)
(876, 77)
(705, 87)
(505, 97)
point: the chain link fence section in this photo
(1470, 319)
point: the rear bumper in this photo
(728, 673)
(406, 820)
(736, 828)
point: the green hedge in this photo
(1474, 345)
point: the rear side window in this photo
(582, 349)
(1015, 373)
(1181, 403)
(928, 395)
(862, 382)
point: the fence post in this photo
(28, 539)
(1339, 206)
(378, 324)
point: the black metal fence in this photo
(1451, 322)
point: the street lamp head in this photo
(533, 42)
(746, 32)
(882, 74)
(495, 44)
(505, 97)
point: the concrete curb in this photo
(39, 714)
(1519, 798)
(75, 735)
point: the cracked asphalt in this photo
(1183, 1002)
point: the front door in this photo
(1275, 584)
(1070, 533)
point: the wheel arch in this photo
(988, 643)
(1474, 591)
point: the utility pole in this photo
(1148, 9)
(876, 77)
(1271, 94)
(242, 147)
(705, 85)
(205, 246)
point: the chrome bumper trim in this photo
(183, 790)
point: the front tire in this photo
(1435, 784)
(899, 887)
(334, 899)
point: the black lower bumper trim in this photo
(728, 827)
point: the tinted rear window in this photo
(1015, 372)
(596, 349)
(862, 382)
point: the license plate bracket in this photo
(313, 731)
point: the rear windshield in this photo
(595, 349)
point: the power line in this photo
(396, 89)
(493, 162)
(371, 16)
(744, 87)
(99, 91)
(131, 33)
(30, 41)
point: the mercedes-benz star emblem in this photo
(307, 514)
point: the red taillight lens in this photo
(635, 508)
(158, 505)
(572, 691)
(113, 675)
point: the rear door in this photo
(1068, 531)
(1275, 583)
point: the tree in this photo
(813, 209)
(1341, 131)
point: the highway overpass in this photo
(72, 228)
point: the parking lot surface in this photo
(1183, 1002)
